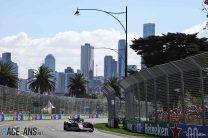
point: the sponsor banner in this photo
(65, 116)
(129, 125)
(8, 117)
(18, 117)
(159, 129)
(138, 126)
(191, 131)
(103, 116)
(27, 117)
(84, 116)
(46, 117)
(135, 126)
(38, 116)
(56, 116)
(110, 122)
(1, 117)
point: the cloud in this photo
(30, 52)
(201, 29)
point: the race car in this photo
(78, 124)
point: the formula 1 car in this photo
(78, 125)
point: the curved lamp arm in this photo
(109, 13)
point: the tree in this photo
(206, 2)
(77, 86)
(157, 50)
(113, 82)
(8, 77)
(42, 81)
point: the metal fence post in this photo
(155, 94)
(181, 90)
(201, 88)
(167, 88)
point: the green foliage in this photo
(8, 77)
(77, 86)
(113, 82)
(42, 81)
(173, 46)
(206, 2)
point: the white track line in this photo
(19, 133)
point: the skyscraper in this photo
(148, 29)
(30, 77)
(121, 58)
(6, 57)
(50, 62)
(110, 67)
(87, 61)
(69, 70)
(22, 85)
(60, 83)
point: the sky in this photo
(31, 29)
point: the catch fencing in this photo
(13, 101)
(175, 92)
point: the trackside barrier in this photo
(20, 117)
(168, 129)
(1, 117)
(56, 116)
(65, 116)
(46, 117)
(102, 116)
(8, 117)
(27, 117)
(135, 126)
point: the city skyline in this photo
(32, 32)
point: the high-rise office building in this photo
(67, 82)
(148, 30)
(87, 64)
(60, 83)
(87, 61)
(30, 77)
(69, 70)
(121, 58)
(110, 67)
(30, 73)
(50, 62)
(6, 57)
(79, 71)
(22, 85)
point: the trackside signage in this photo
(192, 131)
(158, 129)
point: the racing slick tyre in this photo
(65, 126)
(92, 128)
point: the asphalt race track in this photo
(52, 129)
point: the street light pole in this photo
(124, 28)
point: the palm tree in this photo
(113, 82)
(42, 81)
(77, 85)
(8, 77)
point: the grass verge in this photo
(103, 126)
